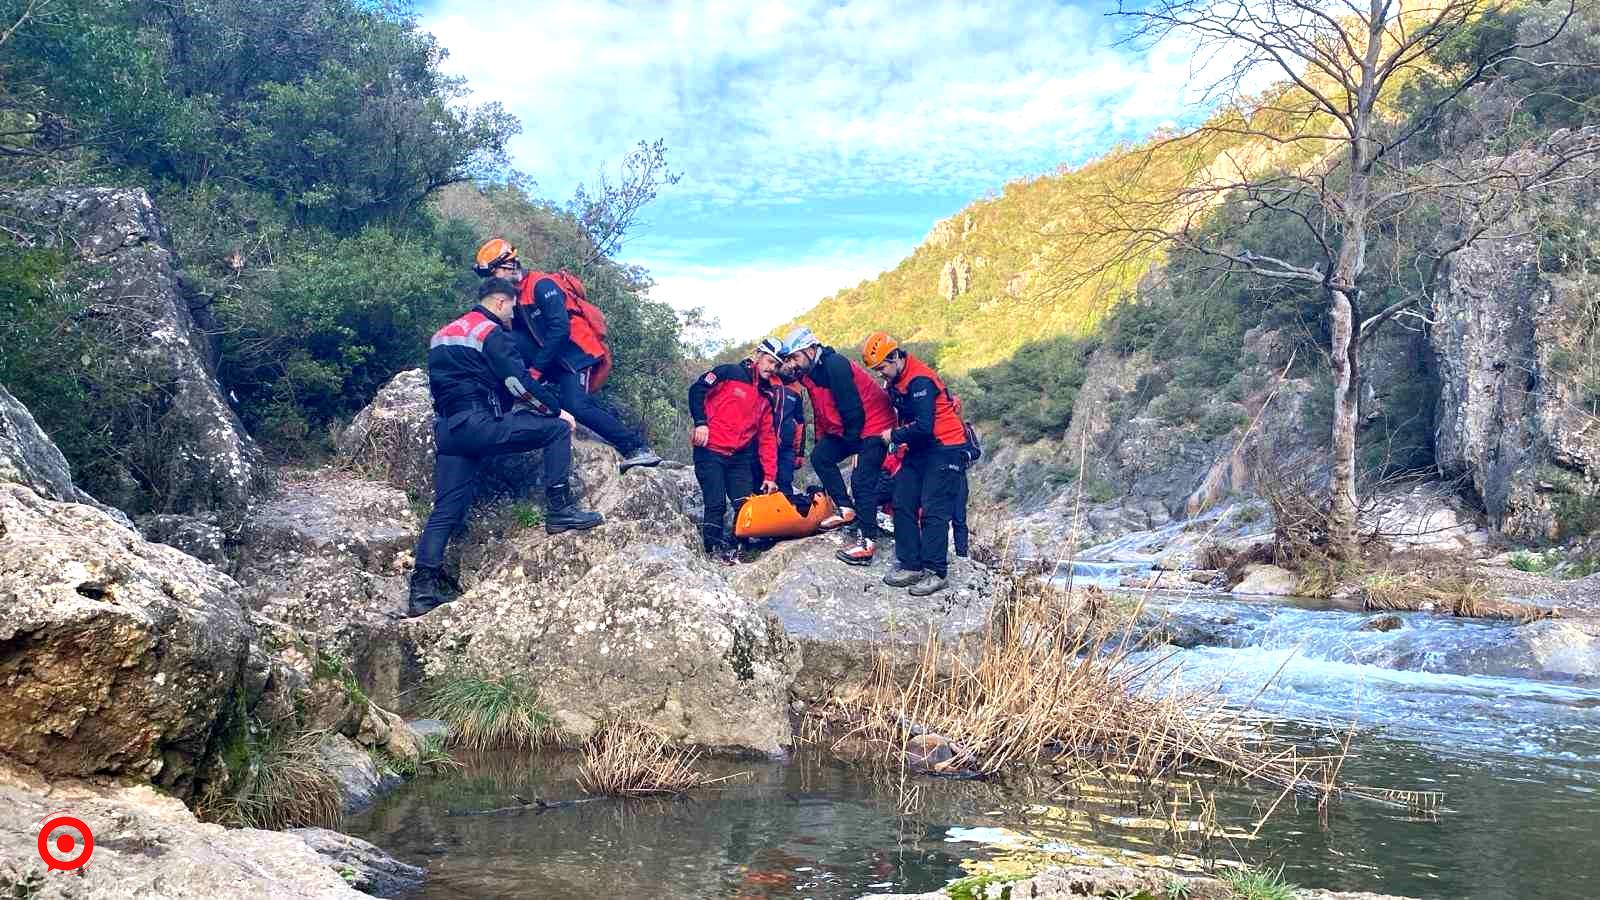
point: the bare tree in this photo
(1323, 150)
(609, 210)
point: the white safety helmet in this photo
(799, 339)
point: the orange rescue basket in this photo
(774, 516)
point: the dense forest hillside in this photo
(323, 185)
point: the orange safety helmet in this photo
(878, 346)
(493, 252)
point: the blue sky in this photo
(818, 141)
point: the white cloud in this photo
(810, 98)
(750, 300)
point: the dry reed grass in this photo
(1046, 684)
(1457, 593)
(627, 759)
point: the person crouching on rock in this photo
(554, 328)
(485, 404)
(732, 410)
(932, 470)
(849, 410)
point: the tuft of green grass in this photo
(1258, 884)
(433, 758)
(1524, 561)
(528, 515)
(489, 713)
(284, 783)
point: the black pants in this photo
(958, 519)
(722, 478)
(462, 443)
(865, 482)
(929, 480)
(591, 413)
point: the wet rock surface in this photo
(204, 460)
(1064, 882)
(362, 865)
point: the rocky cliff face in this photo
(193, 453)
(1516, 412)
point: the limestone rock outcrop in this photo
(116, 655)
(627, 619)
(204, 460)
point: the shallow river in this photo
(1518, 761)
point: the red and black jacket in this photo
(846, 401)
(927, 412)
(736, 407)
(472, 362)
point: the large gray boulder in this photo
(193, 452)
(628, 619)
(116, 655)
(28, 457)
(1513, 415)
(328, 554)
(148, 845)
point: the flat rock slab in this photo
(844, 616)
(147, 844)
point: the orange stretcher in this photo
(774, 516)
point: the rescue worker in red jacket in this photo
(731, 406)
(542, 330)
(849, 411)
(932, 471)
(477, 381)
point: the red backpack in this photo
(586, 322)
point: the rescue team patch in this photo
(550, 292)
(921, 393)
(711, 378)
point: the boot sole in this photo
(623, 470)
(564, 528)
(941, 588)
(852, 561)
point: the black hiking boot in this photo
(564, 515)
(643, 456)
(428, 591)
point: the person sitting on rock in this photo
(732, 410)
(849, 411)
(486, 404)
(932, 471)
(543, 329)
(788, 419)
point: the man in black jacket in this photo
(542, 330)
(477, 380)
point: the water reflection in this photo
(1512, 827)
